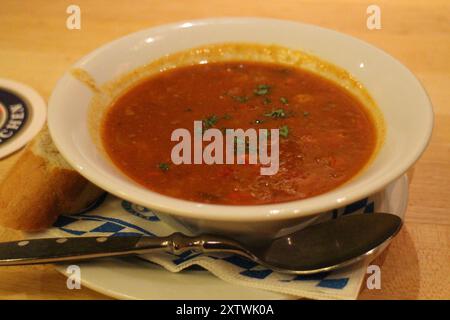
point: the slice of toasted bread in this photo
(40, 186)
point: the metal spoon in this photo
(321, 247)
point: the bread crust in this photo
(35, 192)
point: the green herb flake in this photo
(226, 116)
(163, 166)
(262, 90)
(284, 100)
(241, 99)
(210, 121)
(258, 121)
(266, 101)
(279, 113)
(306, 113)
(284, 131)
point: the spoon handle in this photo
(49, 250)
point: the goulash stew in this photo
(326, 136)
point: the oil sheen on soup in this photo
(326, 135)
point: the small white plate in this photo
(133, 278)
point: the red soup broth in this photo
(330, 136)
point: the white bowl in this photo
(404, 103)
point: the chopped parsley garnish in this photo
(306, 113)
(163, 166)
(241, 99)
(266, 101)
(262, 89)
(279, 113)
(284, 100)
(210, 121)
(284, 131)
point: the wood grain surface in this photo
(36, 48)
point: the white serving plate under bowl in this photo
(400, 97)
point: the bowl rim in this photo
(219, 212)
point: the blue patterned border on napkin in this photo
(110, 216)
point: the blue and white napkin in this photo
(111, 216)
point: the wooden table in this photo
(36, 48)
